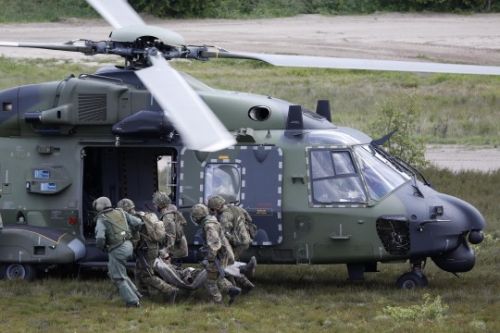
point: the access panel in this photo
(249, 176)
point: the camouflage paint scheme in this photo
(48, 131)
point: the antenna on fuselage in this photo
(294, 120)
(323, 109)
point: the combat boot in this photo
(133, 305)
(233, 292)
(249, 269)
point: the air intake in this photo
(92, 107)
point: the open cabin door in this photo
(250, 176)
(125, 172)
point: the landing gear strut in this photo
(415, 278)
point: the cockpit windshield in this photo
(380, 175)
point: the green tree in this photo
(402, 115)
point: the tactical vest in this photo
(179, 223)
(117, 230)
(180, 248)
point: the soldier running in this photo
(150, 236)
(239, 230)
(219, 254)
(113, 233)
(175, 245)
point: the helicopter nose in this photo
(467, 216)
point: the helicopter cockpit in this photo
(357, 176)
(380, 175)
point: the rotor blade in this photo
(350, 63)
(118, 13)
(192, 118)
(80, 47)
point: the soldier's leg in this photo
(249, 269)
(243, 282)
(228, 288)
(211, 283)
(118, 273)
(139, 280)
(156, 284)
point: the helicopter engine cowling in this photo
(143, 123)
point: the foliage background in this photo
(58, 10)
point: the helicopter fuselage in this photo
(318, 193)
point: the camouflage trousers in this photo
(153, 283)
(117, 271)
(216, 283)
(241, 281)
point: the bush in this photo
(429, 310)
(401, 115)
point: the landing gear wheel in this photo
(412, 280)
(16, 271)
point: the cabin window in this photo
(224, 180)
(166, 173)
(334, 177)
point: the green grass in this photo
(452, 108)
(456, 109)
(289, 298)
(44, 10)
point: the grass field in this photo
(460, 109)
(288, 298)
(454, 108)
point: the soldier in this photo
(239, 230)
(175, 244)
(218, 255)
(150, 236)
(113, 232)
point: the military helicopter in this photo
(319, 193)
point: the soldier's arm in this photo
(180, 217)
(247, 215)
(133, 221)
(169, 232)
(100, 234)
(213, 242)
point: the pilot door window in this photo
(223, 180)
(334, 178)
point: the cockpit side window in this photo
(224, 180)
(334, 177)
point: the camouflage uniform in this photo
(147, 250)
(218, 254)
(113, 231)
(233, 220)
(175, 240)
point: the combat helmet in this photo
(126, 204)
(198, 212)
(101, 204)
(161, 199)
(215, 202)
